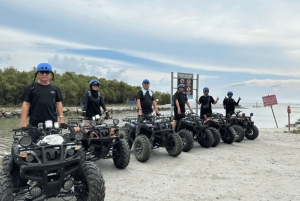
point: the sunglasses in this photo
(44, 72)
(95, 85)
(205, 91)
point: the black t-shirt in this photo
(206, 102)
(146, 101)
(42, 101)
(181, 97)
(93, 104)
(229, 105)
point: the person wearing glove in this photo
(93, 101)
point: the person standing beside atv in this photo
(206, 102)
(41, 100)
(92, 101)
(145, 100)
(180, 100)
(229, 103)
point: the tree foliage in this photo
(73, 86)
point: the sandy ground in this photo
(267, 168)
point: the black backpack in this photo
(89, 94)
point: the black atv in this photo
(234, 121)
(100, 140)
(44, 165)
(146, 132)
(205, 135)
(217, 121)
(251, 131)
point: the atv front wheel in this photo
(207, 140)
(6, 188)
(240, 133)
(254, 133)
(187, 140)
(216, 135)
(174, 145)
(125, 134)
(229, 137)
(121, 154)
(142, 148)
(90, 183)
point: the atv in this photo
(234, 120)
(100, 140)
(251, 131)
(148, 132)
(205, 135)
(216, 120)
(45, 163)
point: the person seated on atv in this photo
(42, 100)
(229, 103)
(206, 102)
(180, 100)
(92, 101)
(145, 100)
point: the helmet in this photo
(44, 67)
(205, 89)
(94, 81)
(229, 93)
(146, 81)
(180, 86)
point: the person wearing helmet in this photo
(92, 101)
(145, 100)
(206, 102)
(42, 100)
(229, 103)
(180, 100)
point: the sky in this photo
(249, 47)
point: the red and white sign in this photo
(269, 100)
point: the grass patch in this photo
(296, 131)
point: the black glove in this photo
(107, 115)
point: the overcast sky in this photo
(249, 47)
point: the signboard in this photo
(187, 80)
(269, 100)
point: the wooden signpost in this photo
(269, 101)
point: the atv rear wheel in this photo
(142, 148)
(121, 154)
(254, 133)
(174, 145)
(6, 188)
(92, 185)
(229, 137)
(7, 164)
(207, 140)
(187, 140)
(125, 134)
(240, 133)
(216, 135)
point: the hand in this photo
(23, 124)
(217, 98)
(191, 111)
(61, 120)
(179, 111)
(240, 98)
(158, 113)
(106, 113)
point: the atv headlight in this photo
(29, 158)
(116, 121)
(68, 184)
(71, 152)
(25, 141)
(35, 191)
(79, 135)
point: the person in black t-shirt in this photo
(145, 100)
(92, 101)
(229, 103)
(206, 102)
(42, 100)
(180, 100)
